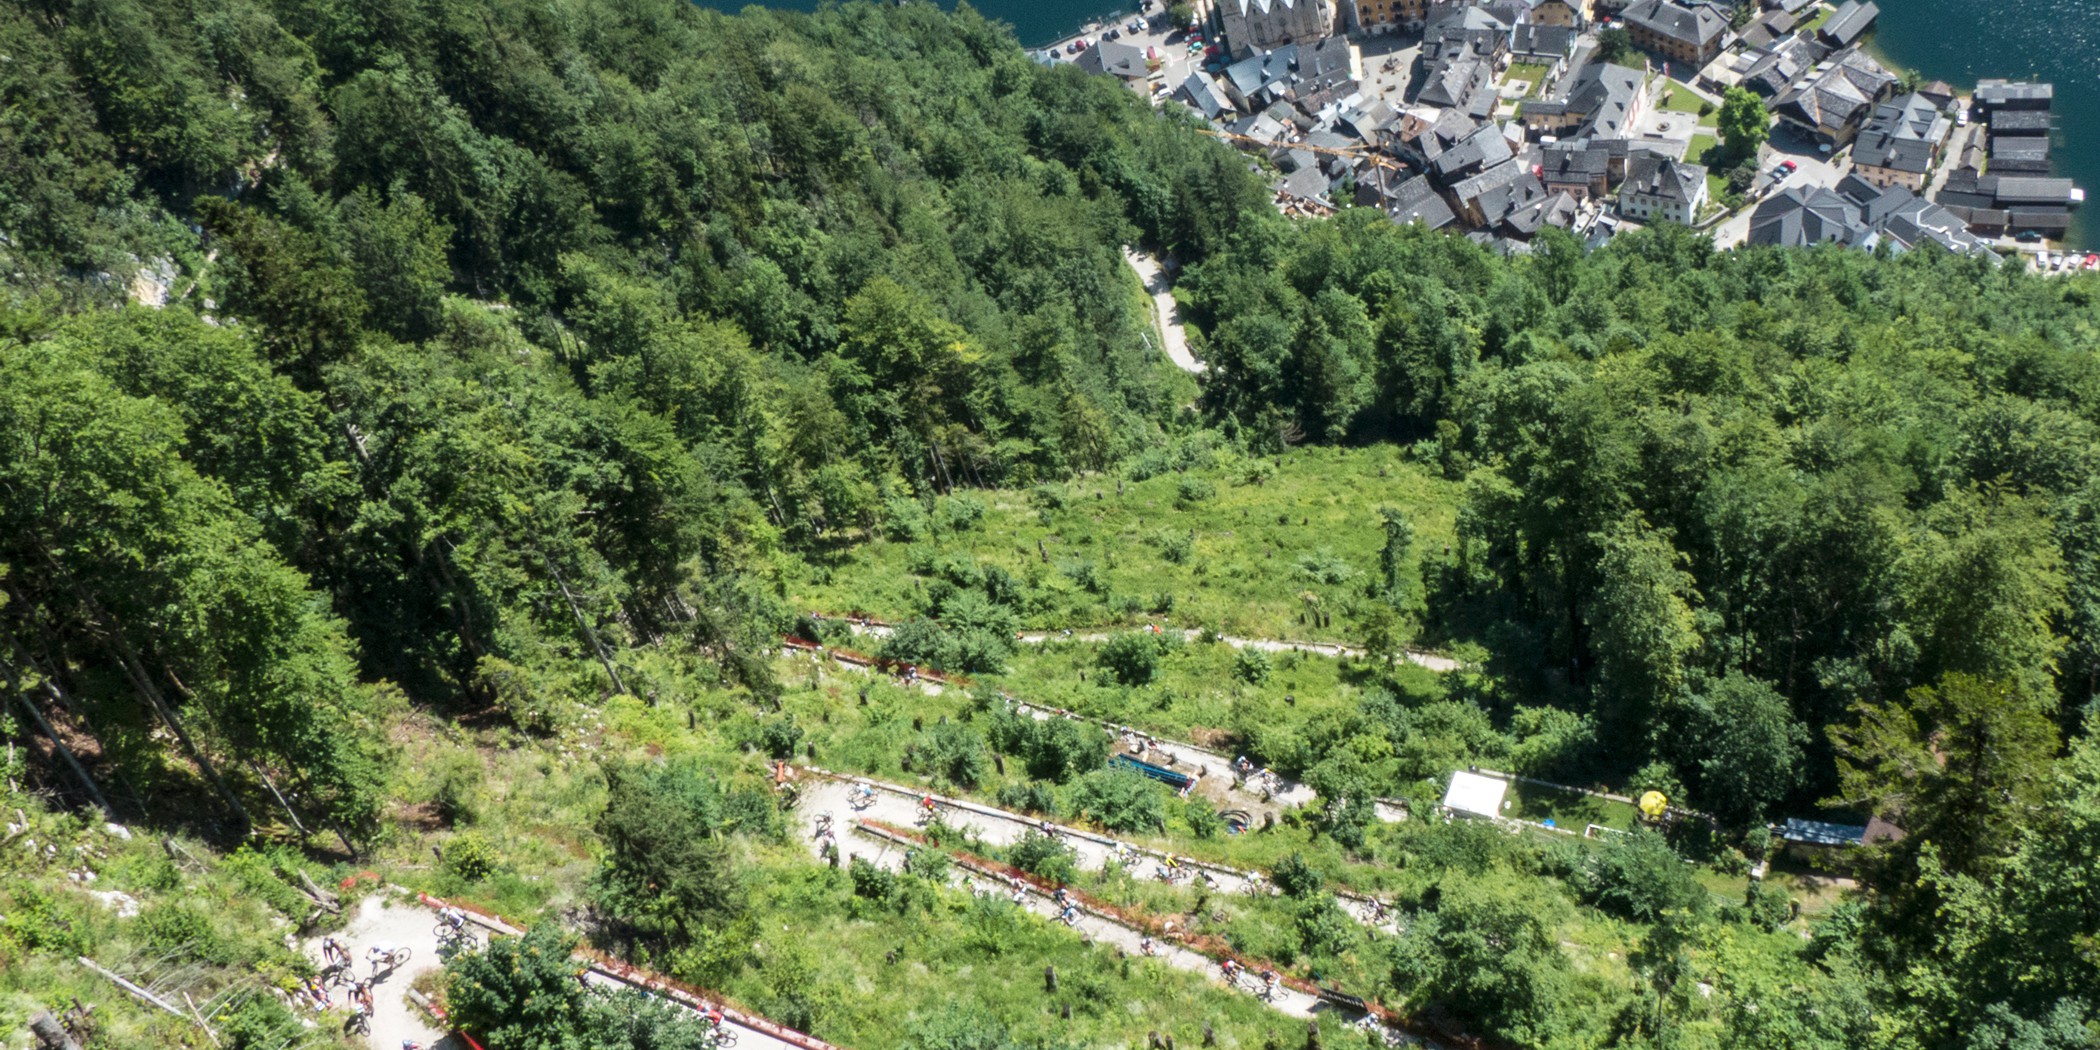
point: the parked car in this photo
(1790, 166)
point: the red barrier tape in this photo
(672, 989)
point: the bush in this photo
(1130, 658)
(172, 927)
(1202, 818)
(1120, 800)
(469, 857)
(904, 521)
(1637, 877)
(1251, 666)
(1175, 546)
(779, 737)
(1028, 798)
(950, 752)
(519, 993)
(960, 513)
(1043, 855)
(1046, 498)
(1190, 490)
(1296, 877)
(1051, 749)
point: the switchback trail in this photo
(1431, 661)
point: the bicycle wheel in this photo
(725, 1036)
(399, 958)
(443, 931)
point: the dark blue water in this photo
(1035, 22)
(2053, 40)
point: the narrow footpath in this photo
(1166, 313)
(1430, 661)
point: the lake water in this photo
(1953, 40)
(2053, 40)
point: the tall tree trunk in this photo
(590, 634)
(94, 790)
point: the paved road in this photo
(380, 922)
(1166, 313)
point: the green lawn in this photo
(1209, 537)
(1531, 73)
(1823, 13)
(1679, 98)
(1572, 810)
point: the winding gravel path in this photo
(1166, 313)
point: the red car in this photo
(1790, 166)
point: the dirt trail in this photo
(899, 805)
(380, 922)
(1430, 661)
(1166, 313)
(1097, 928)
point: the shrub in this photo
(1052, 749)
(519, 992)
(779, 737)
(1046, 498)
(1028, 798)
(1637, 877)
(960, 513)
(1119, 800)
(904, 521)
(1251, 666)
(1130, 658)
(1190, 490)
(1296, 876)
(174, 927)
(469, 857)
(1043, 855)
(949, 751)
(1202, 818)
(1322, 927)
(1175, 546)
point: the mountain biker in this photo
(1268, 983)
(382, 958)
(454, 918)
(714, 1018)
(1231, 968)
(1145, 944)
(333, 952)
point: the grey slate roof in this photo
(1994, 93)
(1576, 161)
(2012, 191)
(1698, 25)
(1902, 135)
(1484, 148)
(1252, 74)
(1800, 216)
(1782, 64)
(2020, 154)
(1202, 94)
(1662, 178)
(1116, 58)
(1837, 92)
(1602, 96)
(1417, 201)
(1852, 20)
(1535, 39)
(2028, 121)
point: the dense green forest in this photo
(389, 387)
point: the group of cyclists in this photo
(1269, 981)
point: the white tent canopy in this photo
(1475, 794)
